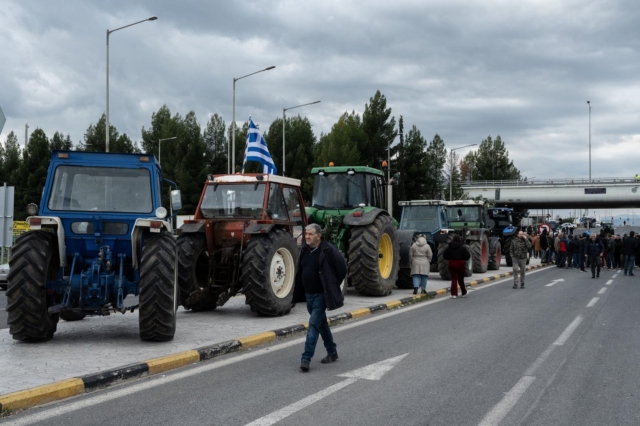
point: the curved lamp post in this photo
(283, 130)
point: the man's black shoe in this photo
(329, 358)
(304, 366)
(631, 275)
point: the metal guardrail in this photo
(577, 181)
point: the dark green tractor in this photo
(348, 203)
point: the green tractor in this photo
(348, 203)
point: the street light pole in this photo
(451, 171)
(589, 103)
(153, 18)
(233, 120)
(283, 130)
(160, 148)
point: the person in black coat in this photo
(457, 254)
(321, 270)
(629, 248)
(594, 250)
(544, 245)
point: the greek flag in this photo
(257, 150)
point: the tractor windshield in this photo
(233, 200)
(501, 219)
(339, 191)
(102, 189)
(463, 214)
(420, 218)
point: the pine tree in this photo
(215, 145)
(398, 166)
(12, 157)
(492, 161)
(379, 129)
(58, 142)
(416, 166)
(340, 146)
(95, 139)
(436, 159)
(32, 173)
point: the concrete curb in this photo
(78, 385)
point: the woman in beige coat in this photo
(420, 255)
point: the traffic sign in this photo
(3, 119)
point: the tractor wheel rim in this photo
(485, 253)
(385, 256)
(281, 273)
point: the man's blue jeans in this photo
(318, 326)
(629, 263)
(577, 260)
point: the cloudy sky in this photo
(462, 69)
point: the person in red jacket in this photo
(457, 254)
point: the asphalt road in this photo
(561, 354)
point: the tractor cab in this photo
(347, 188)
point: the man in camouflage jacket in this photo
(519, 250)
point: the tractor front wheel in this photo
(374, 256)
(480, 253)
(34, 261)
(268, 272)
(495, 257)
(158, 288)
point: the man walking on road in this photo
(594, 250)
(519, 250)
(629, 247)
(321, 269)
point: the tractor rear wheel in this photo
(374, 256)
(193, 271)
(495, 257)
(480, 253)
(443, 265)
(405, 280)
(268, 272)
(158, 288)
(507, 251)
(468, 265)
(34, 261)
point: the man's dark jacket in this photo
(593, 248)
(629, 246)
(456, 251)
(544, 241)
(333, 270)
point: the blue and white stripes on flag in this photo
(257, 150)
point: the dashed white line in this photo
(593, 302)
(568, 331)
(498, 412)
(602, 290)
(609, 282)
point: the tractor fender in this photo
(405, 238)
(53, 222)
(191, 228)
(136, 235)
(366, 218)
(259, 228)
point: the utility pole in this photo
(26, 134)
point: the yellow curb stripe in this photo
(394, 304)
(360, 313)
(305, 325)
(497, 276)
(472, 283)
(441, 291)
(169, 362)
(486, 280)
(42, 394)
(258, 339)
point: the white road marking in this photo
(153, 381)
(538, 362)
(593, 302)
(370, 372)
(568, 331)
(602, 290)
(609, 282)
(554, 282)
(495, 416)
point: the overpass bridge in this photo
(610, 192)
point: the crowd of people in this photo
(588, 250)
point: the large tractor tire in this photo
(193, 271)
(443, 265)
(405, 280)
(507, 251)
(468, 265)
(34, 260)
(374, 257)
(480, 253)
(158, 288)
(268, 272)
(495, 257)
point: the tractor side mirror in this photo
(176, 200)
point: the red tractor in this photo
(244, 238)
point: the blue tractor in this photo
(99, 235)
(419, 217)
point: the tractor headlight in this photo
(32, 209)
(161, 212)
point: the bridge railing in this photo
(575, 181)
